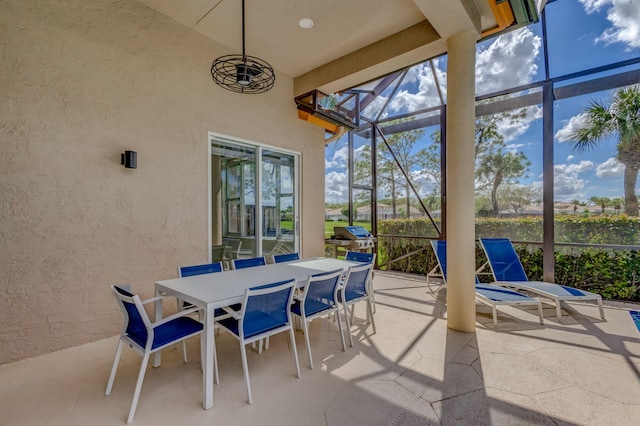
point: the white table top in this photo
(226, 288)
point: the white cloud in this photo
(566, 183)
(570, 126)
(591, 6)
(581, 167)
(374, 107)
(511, 130)
(423, 182)
(624, 16)
(427, 94)
(509, 61)
(336, 187)
(514, 146)
(339, 158)
(609, 168)
(570, 158)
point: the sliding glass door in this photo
(247, 179)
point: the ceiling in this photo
(351, 42)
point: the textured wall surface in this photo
(81, 81)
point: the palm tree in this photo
(621, 118)
(575, 203)
(603, 202)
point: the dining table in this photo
(216, 290)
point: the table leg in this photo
(157, 358)
(210, 347)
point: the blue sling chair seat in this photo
(357, 256)
(287, 257)
(146, 337)
(488, 294)
(248, 263)
(356, 288)
(320, 297)
(508, 271)
(265, 312)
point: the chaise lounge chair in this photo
(490, 295)
(508, 272)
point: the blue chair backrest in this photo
(357, 280)
(440, 249)
(207, 268)
(249, 263)
(287, 257)
(356, 256)
(136, 328)
(321, 288)
(503, 259)
(266, 307)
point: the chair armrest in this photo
(174, 316)
(231, 312)
(154, 299)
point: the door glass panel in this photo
(233, 198)
(235, 201)
(362, 214)
(278, 203)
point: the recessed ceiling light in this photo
(306, 23)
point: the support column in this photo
(216, 200)
(461, 254)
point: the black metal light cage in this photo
(243, 73)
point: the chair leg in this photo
(495, 315)
(540, 313)
(601, 308)
(266, 344)
(370, 314)
(353, 313)
(372, 294)
(336, 313)
(215, 368)
(346, 317)
(305, 327)
(116, 361)
(295, 351)
(136, 393)
(245, 367)
(184, 351)
(558, 309)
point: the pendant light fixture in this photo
(243, 73)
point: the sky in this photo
(600, 32)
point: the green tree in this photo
(390, 177)
(617, 204)
(602, 202)
(621, 118)
(494, 164)
(518, 197)
(575, 203)
(497, 166)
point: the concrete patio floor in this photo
(579, 370)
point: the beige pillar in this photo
(216, 200)
(461, 311)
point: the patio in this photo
(579, 370)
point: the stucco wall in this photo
(81, 81)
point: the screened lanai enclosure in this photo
(557, 150)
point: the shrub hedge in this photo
(612, 273)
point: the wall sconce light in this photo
(129, 159)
